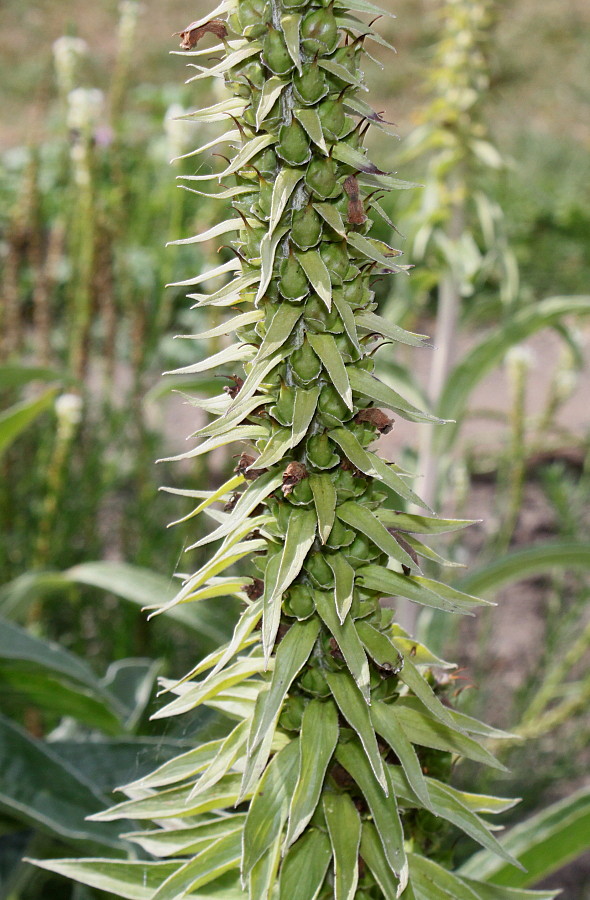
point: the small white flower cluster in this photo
(67, 51)
(85, 106)
(68, 409)
(129, 11)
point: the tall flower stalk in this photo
(332, 779)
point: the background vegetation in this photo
(87, 203)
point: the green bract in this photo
(332, 779)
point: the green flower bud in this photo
(253, 17)
(319, 32)
(274, 52)
(299, 601)
(348, 485)
(320, 452)
(310, 86)
(335, 257)
(333, 118)
(306, 227)
(282, 411)
(293, 144)
(318, 319)
(305, 364)
(332, 410)
(293, 284)
(321, 176)
(292, 712)
(301, 494)
(340, 536)
(313, 682)
(319, 571)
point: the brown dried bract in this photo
(232, 502)
(193, 33)
(293, 474)
(356, 210)
(242, 468)
(234, 389)
(255, 590)
(376, 417)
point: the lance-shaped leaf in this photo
(305, 866)
(231, 60)
(354, 708)
(317, 742)
(324, 498)
(301, 532)
(257, 491)
(132, 880)
(227, 754)
(220, 857)
(392, 584)
(213, 232)
(447, 805)
(250, 149)
(330, 214)
(165, 843)
(431, 882)
(312, 124)
(495, 892)
(263, 876)
(292, 654)
(254, 379)
(383, 806)
(286, 182)
(325, 347)
(306, 401)
(341, 72)
(373, 855)
(388, 726)
(290, 26)
(193, 694)
(364, 383)
(375, 250)
(240, 433)
(270, 806)
(226, 488)
(421, 654)
(228, 421)
(315, 268)
(366, 7)
(278, 445)
(348, 319)
(387, 474)
(347, 639)
(229, 295)
(232, 265)
(363, 520)
(268, 249)
(375, 324)
(344, 828)
(413, 678)
(358, 161)
(343, 584)
(271, 91)
(355, 453)
(235, 353)
(178, 769)
(247, 318)
(280, 328)
(415, 524)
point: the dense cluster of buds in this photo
(332, 781)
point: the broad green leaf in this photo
(15, 419)
(301, 532)
(543, 844)
(306, 401)
(343, 584)
(41, 791)
(388, 726)
(220, 857)
(355, 453)
(317, 742)
(312, 124)
(268, 249)
(347, 639)
(431, 882)
(383, 807)
(304, 867)
(368, 386)
(330, 214)
(165, 843)
(291, 655)
(353, 707)
(390, 583)
(374, 856)
(426, 731)
(269, 808)
(361, 518)
(290, 25)
(132, 880)
(263, 875)
(446, 804)
(416, 524)
(271, 91)
(344, 828)
(376, 324)
(315, 268)
(324, 498)
(286, 182)
(254, 494)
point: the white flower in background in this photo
(518, 361)
(129, 11)
(67, 51)
(68, 409)
(85, 106)
(178, 131)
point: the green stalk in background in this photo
(331, 778)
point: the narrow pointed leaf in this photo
(356, 712)
(330, 214)
(268, 249)
(363, 520)
(305, 866)
(290, 26)
(355, 453)
(325, 347)
(220, 857)
(344, 828)
(374, 856)
(343, 584)
(388, 726)
(314, 267)
(271, 91)
(364, 383)
(283, 323)
(286, 182)
(347, 639)
(324, 498)
(312, 124)
(376, 324)
(303, 411)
